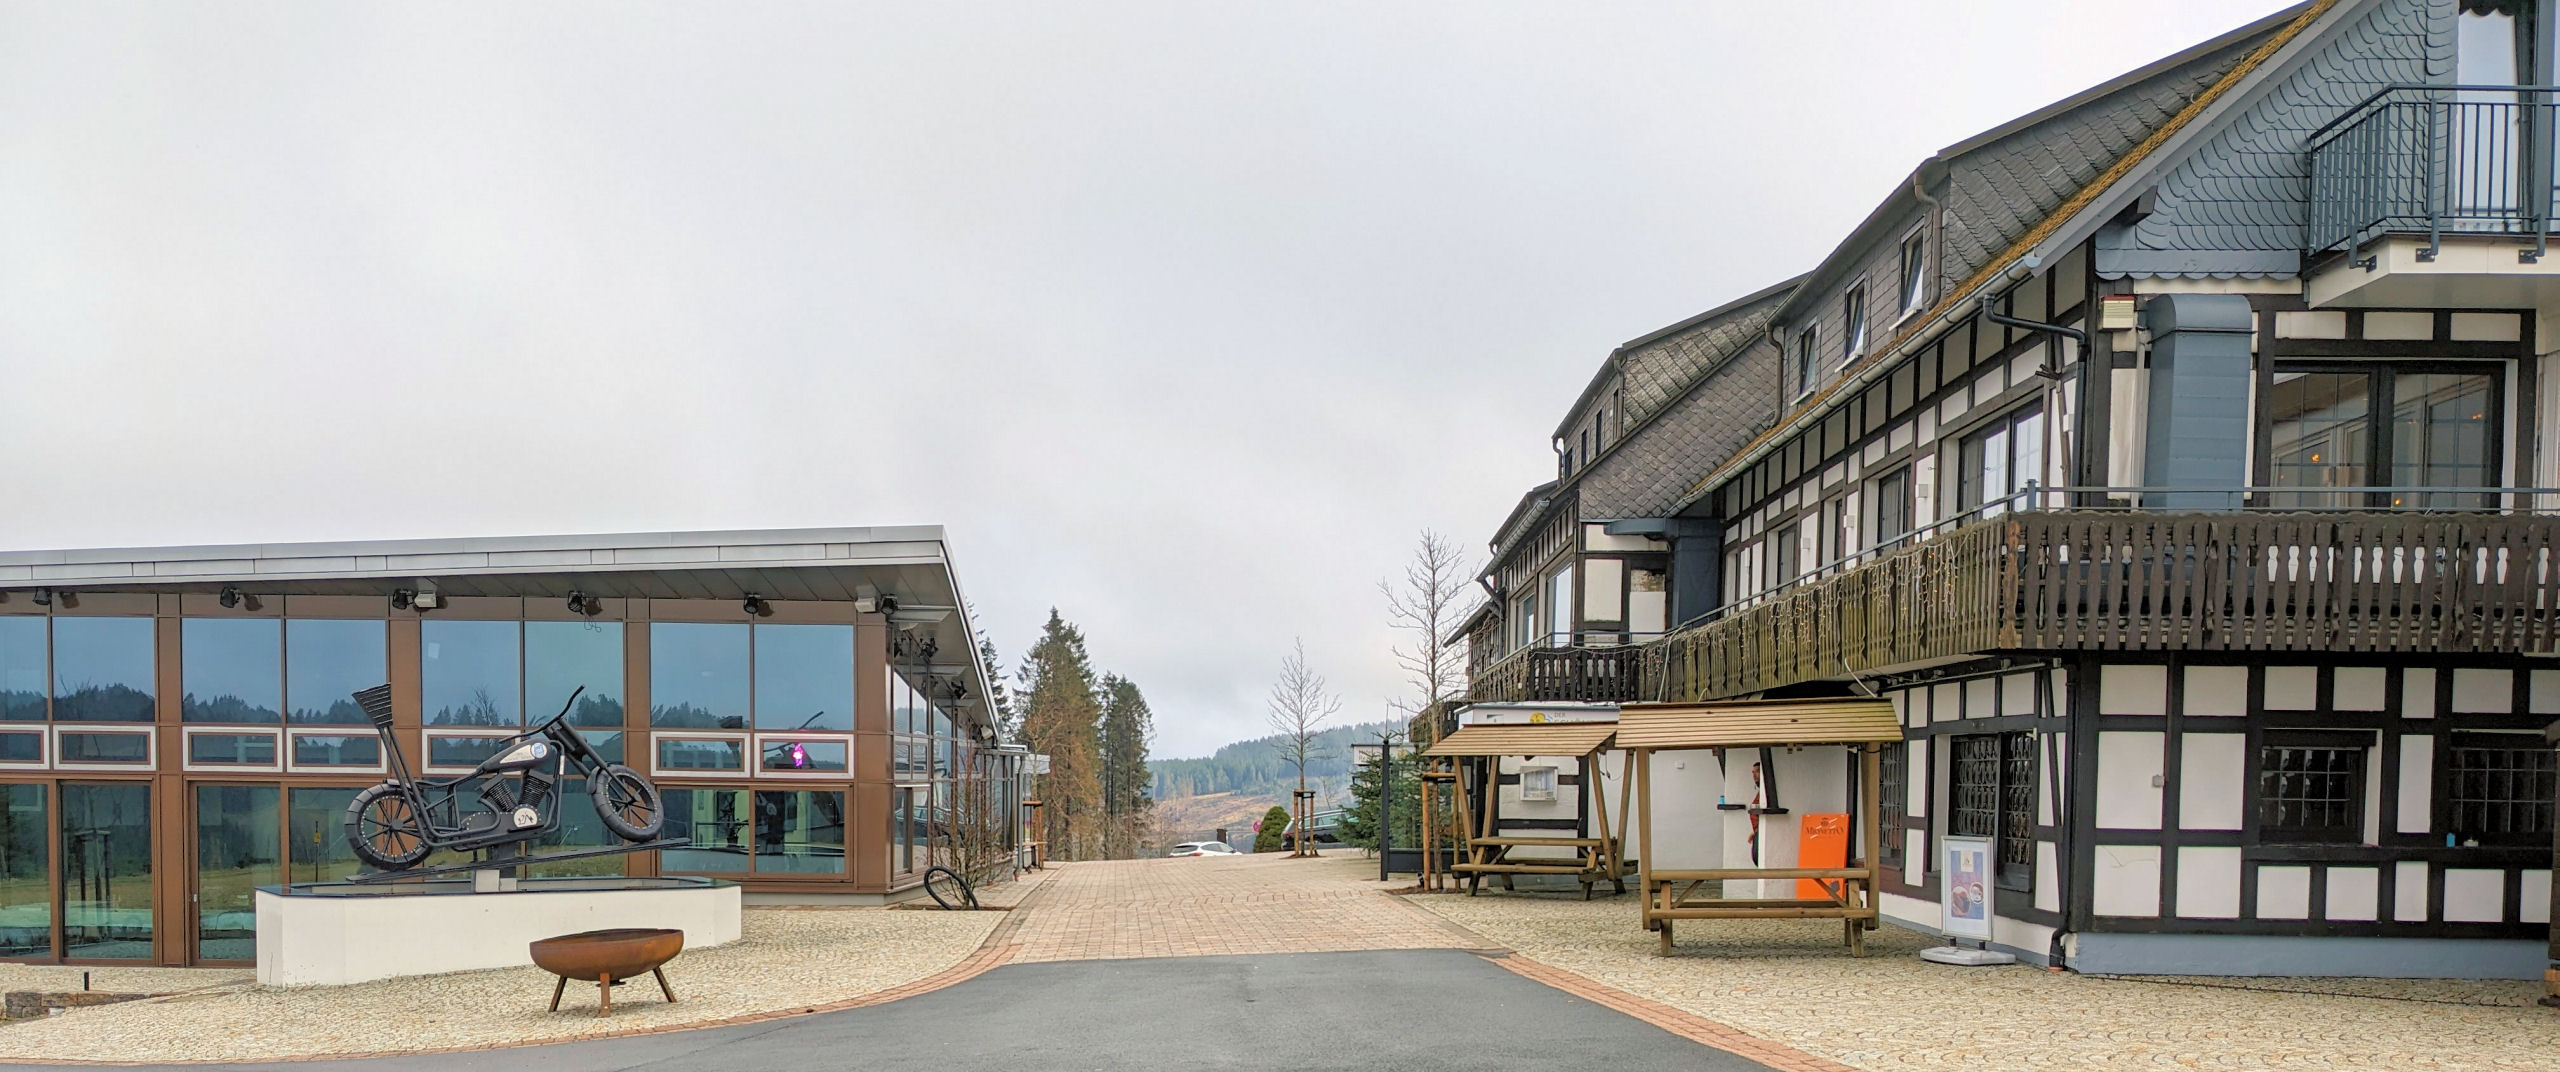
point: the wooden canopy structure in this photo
(1474, 754)
(1862, 725)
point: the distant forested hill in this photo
(1256, 768)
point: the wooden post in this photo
(1618, 844)
(1873, 778)
(1601, 857)
(1641, 762)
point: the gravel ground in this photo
(120, 980)
(789, 959)
(1793, 982)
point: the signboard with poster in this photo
(1964, 889)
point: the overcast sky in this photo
(1183, 318)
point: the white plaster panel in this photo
(1946, 703)
(2535, 894)
(1981, 700)
(2399, 325)
(2293, 688)
(1987, 387)
(2128, 881)
(1915, 767)
(2209, 882)
(2417, 770)
(2362, 688)
(2284, 893)
(2048, 878)
(2133, 690)
(2212, 768)
(2544, 692)
(1912, 912)
(1683, 783)
(2482, 690)
(2355, 893)
(2312, 324)
(2217, 691)
(2418, 692)
(1900, 437)
(1915, 849)
(2409, 891)
(2059, 685)
(2487, 327)
(310, 941)
(2474, 895)
(2018, 694)
(2127, 764)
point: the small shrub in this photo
(1268, 839)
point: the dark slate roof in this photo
(1997, 190)
(2236, 205)
(1707, 392)
(1660, 364)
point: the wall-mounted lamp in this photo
(401, 597)
(585, 605)
(757, 607)
(70, 600)
(44, 597)
(232, 596)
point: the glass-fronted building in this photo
(177, 725)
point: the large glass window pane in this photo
(106, 871)
(327, 661)
(236, 852)
(698, 675)
(799, 831)
(21, 669)
(102, 670)
(701, 754)
(580, 828)
(232, 670)
(337, 750)
(26, 887)
(470, 673)
(716, 820)
(2440, 436)
(316, 842)
(561, 657)
(2321, 436)
(232, 749)
(804, 677)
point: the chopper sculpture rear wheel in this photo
(385, 830)
(628, 804)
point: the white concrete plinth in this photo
(354, 935)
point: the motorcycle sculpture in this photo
(510, 798)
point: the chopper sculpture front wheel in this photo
(628, 804)
(385, 830)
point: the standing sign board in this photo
(1964, 890)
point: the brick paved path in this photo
(1211, 905)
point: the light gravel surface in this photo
(1793, 982)
(790, 959)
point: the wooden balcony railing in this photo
(2133, 581)
(1561, 675)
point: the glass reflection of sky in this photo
(698, 675)
(328, 660)
(804, 677)
(468, 673)
(233, 669)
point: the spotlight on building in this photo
(757, 607)
(585, 605)
(70, 600)
(44, 597)
(230, 596)
(401, 597)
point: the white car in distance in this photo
(1203, 848)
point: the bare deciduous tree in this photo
(1299, 706)
(1438, 592)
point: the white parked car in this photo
(1203, 848)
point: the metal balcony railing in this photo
(2435, 160)
(2359, 579)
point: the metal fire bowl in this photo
(619, 954)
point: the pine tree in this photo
(1126, 725)
(1008, 721)
(1369, 783)
(1061, 719)
(1275, 826)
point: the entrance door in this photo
(105, 836)
(238, 848)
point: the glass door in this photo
(26, 872)
(316, 834)
(239, 847)
(106, 871)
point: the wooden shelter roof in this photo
(1526, 739)
(1756, 723)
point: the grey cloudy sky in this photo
(1184, 318)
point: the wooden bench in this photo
(1592, 861)
(1671, 895)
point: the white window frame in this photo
(1545, 775)
(427, 751)
(1808, 344)
(746, 759)
(1914, 257)
(1854, 315)
(150, 746)
(187, 747)
(44, 746)
(755, 756)
(381, 762)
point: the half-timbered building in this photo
(2178, 459)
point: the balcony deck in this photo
(1561, 675)
(2120, 581)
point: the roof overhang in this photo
(1532, 739)
(1757, 723)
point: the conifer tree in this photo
(1061, 719)
(1126, 725)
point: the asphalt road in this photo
(1417, 1009)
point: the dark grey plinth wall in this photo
(2198, 435)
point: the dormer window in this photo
(1804, 362)
(1853, 330)
(1915, 271)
